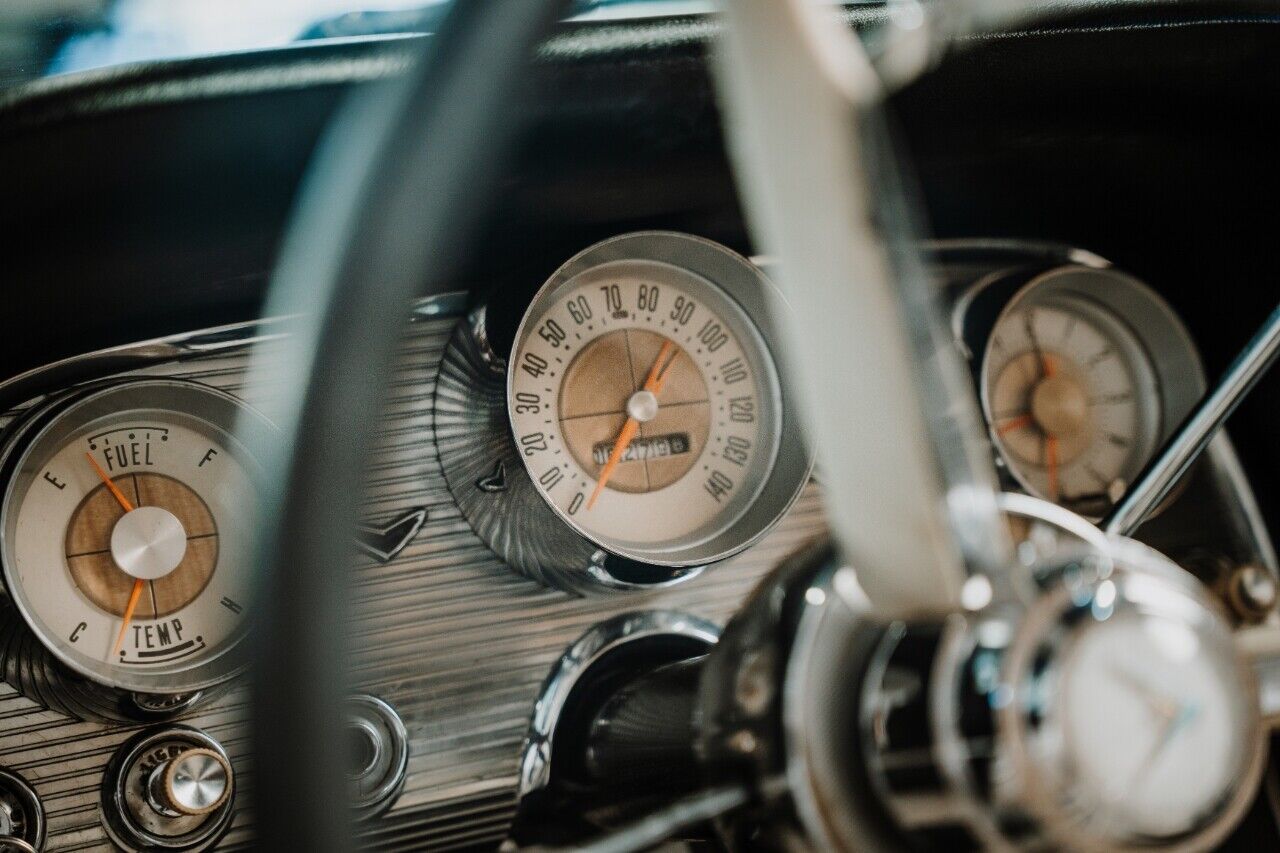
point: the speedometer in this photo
(645, 405)
(641, 430)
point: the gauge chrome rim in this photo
(737, 295)
(203, 412)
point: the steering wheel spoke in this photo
(911, 496)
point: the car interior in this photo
(621, 425)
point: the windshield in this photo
(39, 38)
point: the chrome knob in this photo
(194, 782)
(168, 788)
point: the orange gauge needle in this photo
(1014, 423)
(128, 614)
(653, 384)
(137, 584)
(111, 487)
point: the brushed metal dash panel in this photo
(457, 642)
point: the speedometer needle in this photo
(138, 584)
(653, 384)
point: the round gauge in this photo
(1153, 713)
(645, 402)
(1075, 384)
(126, 523)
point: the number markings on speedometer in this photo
(582, 375)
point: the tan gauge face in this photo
(645, 406)
(1071, 400)
(127, 525)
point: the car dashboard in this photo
(1087, 190)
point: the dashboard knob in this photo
(168, 788)
(194, 782)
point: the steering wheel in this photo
(387, 211)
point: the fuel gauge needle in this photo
(138, 584)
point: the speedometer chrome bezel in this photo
(240, 424)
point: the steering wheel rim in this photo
(384, 216)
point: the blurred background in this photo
(40, 38)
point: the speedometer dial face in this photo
(1072, 400)
(645, 405)
(126, 525)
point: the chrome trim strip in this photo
(59, 375)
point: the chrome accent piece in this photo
(148, 542)
(487, 634)
(231, 337)
(812, 707)
(1009, 779)
(913, 498)
(599, 640)
(473, 438)
(146, 806)
(1194, 434)
(130, 357)
(381, 779)
(191, 783)
(21, 813)
(1260, 644)
(383, 542)
(1251, 592)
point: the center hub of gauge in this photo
(1060, 405)
(148, 542)
(643, 406)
